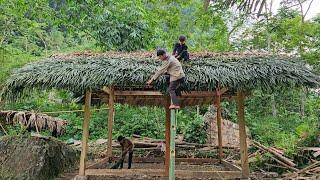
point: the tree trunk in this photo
(303, 100)
(206, 4)
(269, 14)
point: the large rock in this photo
(26, 157)
(230, 130)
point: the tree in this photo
(114, 31)
(246, 6)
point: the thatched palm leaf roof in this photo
(80, 73)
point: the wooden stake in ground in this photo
(219, 123)
(85, 134)
(110, 121)
(167, 136)
(243, 135)
(172, 144)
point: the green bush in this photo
(114, 31)
(143, 121)
(196, 130)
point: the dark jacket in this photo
(180, 51)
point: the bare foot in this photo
(172, 106)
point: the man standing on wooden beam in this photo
(172, 67)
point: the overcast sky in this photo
(314, 9)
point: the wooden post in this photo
(172, 144)
(110, 122)
(219, 123)
(243, 136)
(198, 110)
(167, 136)
(85, 134)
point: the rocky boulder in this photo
(230, 130)
(27, 157)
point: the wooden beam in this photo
(110, 121)
(158, 93)
(219, 123)
(85, 133)
(193, 161)
(231, 166)
(197, 160)
(138, 93)
(172, 144)
(125, 172)
(208, 174)
(106, 89)
(167, 136)
(223, 90)
(243, 136)
(190, 174)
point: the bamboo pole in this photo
(167, 136)
(219, 123)
(172, 144)
(198, 110)
(243, 136)
(85, 133)
(110, 122)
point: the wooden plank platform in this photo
(188, 174)
(197, 161)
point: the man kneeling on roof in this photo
(173, 68)
(180, 49)
(126, 147)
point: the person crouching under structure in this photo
(126, 147)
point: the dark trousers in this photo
(184, 56)
(120, 162)
(129, 160)
(172, 90)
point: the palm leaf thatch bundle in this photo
(206, 74)
(35, 121)
(148, 54)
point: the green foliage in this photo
(97, 126)
(139, 120)
(288, 33)
(114, 31)
(288, 129)
(271, 131)
(196, 130)
(45, 101)
(10, 59)
(205, 30)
